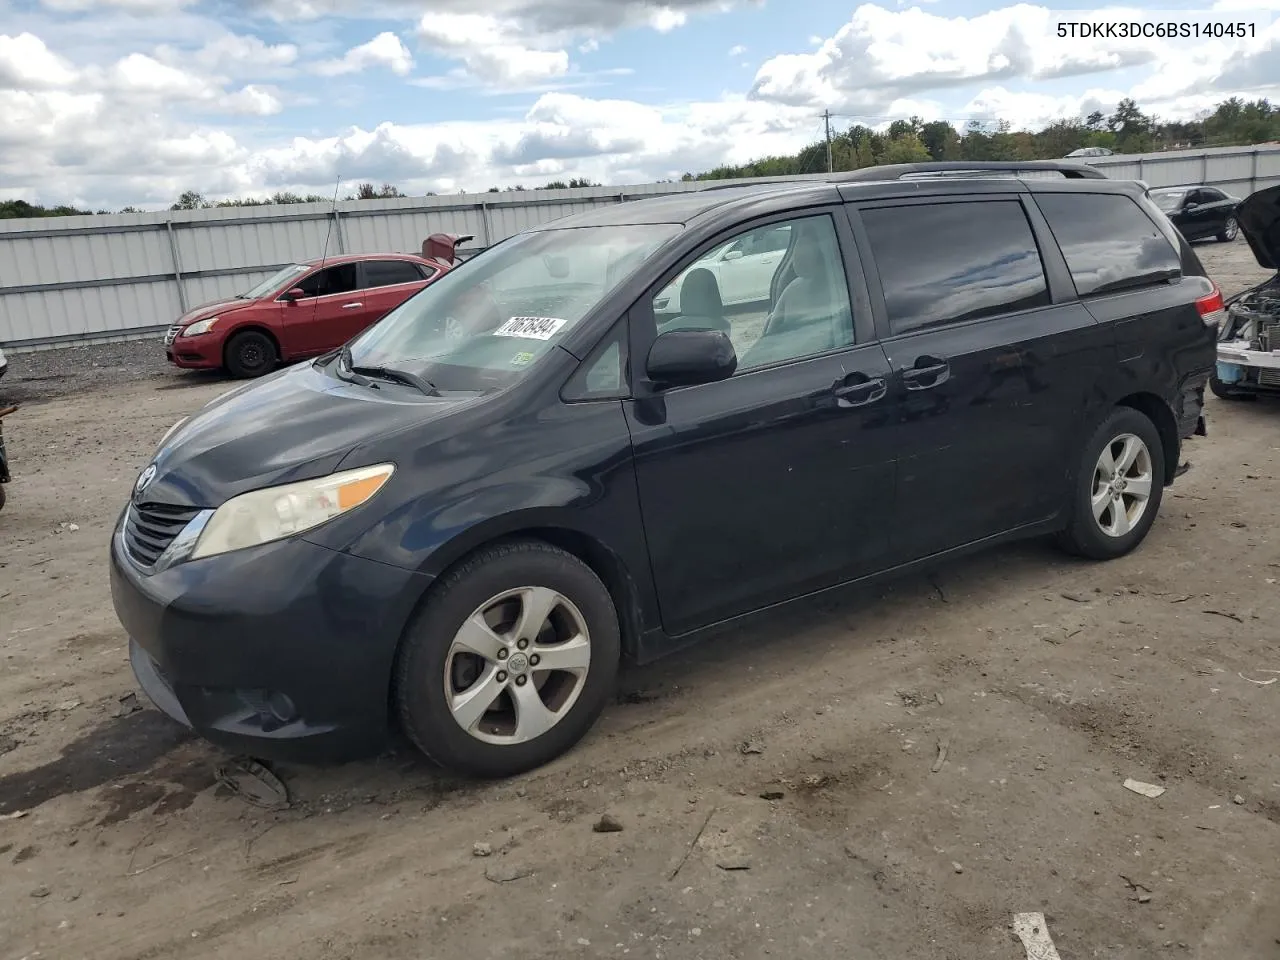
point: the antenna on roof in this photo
(333, 216)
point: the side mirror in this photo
(685, 358)
(296, 293)
(558, 266)
(733, 255)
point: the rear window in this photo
(387, 273)
(1109, 243)
(950, 262)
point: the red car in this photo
(304, 310)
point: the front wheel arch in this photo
(250, 328)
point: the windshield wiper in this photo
(402, 376)
(344, 370)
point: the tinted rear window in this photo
(949, 262)
(1109, 243)
(385, 273)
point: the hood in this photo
(214, 309)
(295, 424)
(1259, 219)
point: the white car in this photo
(743, 270)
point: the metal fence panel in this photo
(77, 278)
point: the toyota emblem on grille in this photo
(144, 478)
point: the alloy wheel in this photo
(517, 665)
(1122, 481)
(1232, 229)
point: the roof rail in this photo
(771, 182)
(973, 168)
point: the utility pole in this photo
(826, 117)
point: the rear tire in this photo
(1118, 488)
(1224, 391)
(494, 713)
(250, 354)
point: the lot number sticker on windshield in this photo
(531, 328)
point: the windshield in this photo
(482, 325)
(1169, 201)
(274, 282)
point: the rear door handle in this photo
(928, 372)
(351, 306)
(860, 393)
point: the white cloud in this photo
(385, 50)
(27, 64)
(737, 51)
(493, 51)
(108, 107)
(882, 55)
(233, 52)
(136, 7)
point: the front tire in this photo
(1230, 230)
(509, 662)
(250, 354)
(1118, 488)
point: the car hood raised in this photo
(1259, 219)
(296, 424)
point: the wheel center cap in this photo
(518, 663)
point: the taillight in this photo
(1212, 310)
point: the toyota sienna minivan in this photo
(459, 524)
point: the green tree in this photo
(906, 149)
(190, 200)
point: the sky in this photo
(107, 103)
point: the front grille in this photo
(1268, 377)
(149, 528)
(171, 334)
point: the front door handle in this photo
(926, 373)
(352, 306)
(859, 393)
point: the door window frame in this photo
(1057, 276)
(320, 269)
(362, 275)
(643, 325)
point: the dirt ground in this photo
(779, 789)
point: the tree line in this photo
(1234, 122)
(1128, 130)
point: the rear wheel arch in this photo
(1157, 411)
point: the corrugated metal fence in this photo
(123, 275)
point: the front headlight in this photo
(274, 513)
(199, 327)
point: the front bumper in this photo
(1246, 369)
(203, 352)
(281, 651)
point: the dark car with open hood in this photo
(461, 523)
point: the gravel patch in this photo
(68, 371)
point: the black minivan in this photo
(609, 434)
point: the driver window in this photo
(322, 283)
(788, 302)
